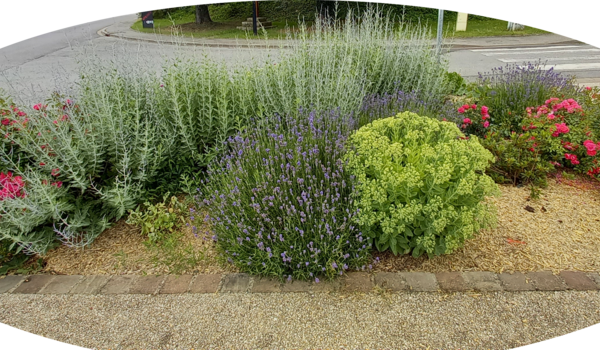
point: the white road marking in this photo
(537, 52)
(573, 66)
(549, 59)
(527, 48)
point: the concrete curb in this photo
(478, 281)
(211, 43)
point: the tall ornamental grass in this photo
(390, 60)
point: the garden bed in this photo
(561, 233)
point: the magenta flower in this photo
(572, 158)
(591, 147)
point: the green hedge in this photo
(294, 9)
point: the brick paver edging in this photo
(352, 282)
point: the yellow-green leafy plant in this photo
(421, 184)
(161, 220)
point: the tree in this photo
(202, 15)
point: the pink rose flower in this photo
(591, 147)
(572, 158)
(486, 124)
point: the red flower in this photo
(467, 121)
(55, 172)
(572, 158)
(58, 184)
(5, 121)
(594, 171)
(11, 187)
(42, 163)
(591, 147)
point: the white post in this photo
(440, 26)
(461, 22)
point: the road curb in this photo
(208, 43)
(473, 281)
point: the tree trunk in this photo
(202, 15)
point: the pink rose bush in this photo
(565, 133)
(475, 120)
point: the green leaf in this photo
(393, 245)
(382, 246)
(384, 238)
(417, 251)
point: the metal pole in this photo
(254, 25)
(440, 26)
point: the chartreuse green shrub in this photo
(420, 184)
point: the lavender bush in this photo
(383, 106)
(279, 203)
(510, 90)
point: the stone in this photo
(9, 282)
(90, 285)
(61, 284)
(176, 284)
(33, 284)
(118, 284)
(265, 285)
(451, 281)
(420, 281)
(546, 281)
(578, 280)
(515, 282)
(482, 281)
(391, 280)
(146, 285)
(358, 282)
(205, 283)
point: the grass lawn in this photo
(228, 30)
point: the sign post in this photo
(254, 15)
(147, 20)
(440, 26)
(461, 22)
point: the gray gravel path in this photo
(498, 320)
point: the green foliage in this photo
(421, 185)
(161, 220)
(589, 99)
(18, 265)
(130, 134)
(233, 10)
(457, 85)
(517, 161)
